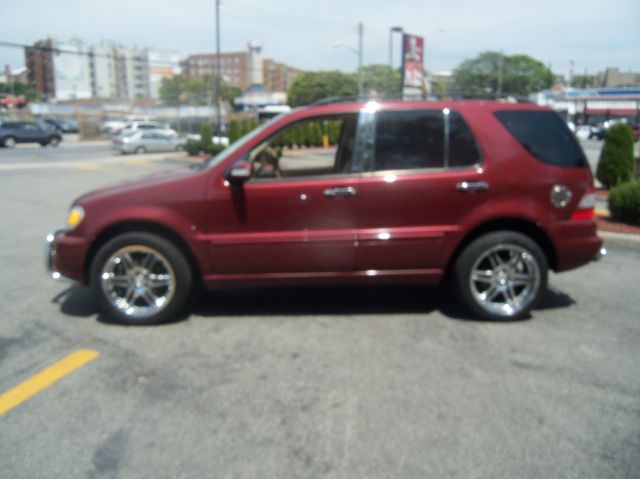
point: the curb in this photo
(620, 239)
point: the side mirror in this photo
(239, 173)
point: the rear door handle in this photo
(346, 191)
(472, 186)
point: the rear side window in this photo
(409, 140)
(545, 136)
(463, 150)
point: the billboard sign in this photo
(412, 61)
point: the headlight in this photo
(76, 215)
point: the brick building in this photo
(237, 69)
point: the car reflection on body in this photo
(148, 141)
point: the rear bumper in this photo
(576, 243)
(65, 256)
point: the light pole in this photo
(391, 31)
(357, 51)
(218, 69)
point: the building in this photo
(243, 69)
(109, 78)
(162, 64)
(234, 67)
(614, 78)
(14, 76)
(592, 105)
(72, 70)
(278, 76)
(39, 62)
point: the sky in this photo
(305, 34)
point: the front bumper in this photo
(65, 256)
(50, 254)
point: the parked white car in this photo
(134, 126)
(147, 141)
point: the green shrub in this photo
(192, 147)
(213, 148)
(234, 131)
(205, 135)
(624, 202)
(616, 163)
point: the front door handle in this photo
(346, 191)
(472, 186)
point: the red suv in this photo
(487, 195)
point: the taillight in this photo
(586, 208)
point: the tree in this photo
(20, 89)
(491, 73)
(616, 163)
(312, 86)
(171, 90)
(439, 89)
(376, 77)
(195, 91)
(583, 81)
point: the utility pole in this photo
(218, 70)
(360, 34)
(390, 80)
(500, 73)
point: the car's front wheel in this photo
(141, 278)
(501, 275)
(54, 141)
(9, 142)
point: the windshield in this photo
(230, 150)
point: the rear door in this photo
(423, 176)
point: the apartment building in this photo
(73, 70)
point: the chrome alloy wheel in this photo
(505, 280)
(138, 281)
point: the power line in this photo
(92, 54)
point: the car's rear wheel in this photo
(501, 275)
(141, 278)
(9, 142)
(140, 150)
(54, 141)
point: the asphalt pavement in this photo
(332, 382)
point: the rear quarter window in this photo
(544, 135)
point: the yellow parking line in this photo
(138, 162)
(45, 378)
(88, 166)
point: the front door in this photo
(296, 215)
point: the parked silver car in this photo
(149, 141)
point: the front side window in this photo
(314, 147)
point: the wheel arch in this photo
(518, 225)
(143, 226)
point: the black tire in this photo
(124, 292)
(9, 142)
(140, 150)
(54, 141)
(501, 276)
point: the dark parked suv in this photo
(488, 196)
(13, 132)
